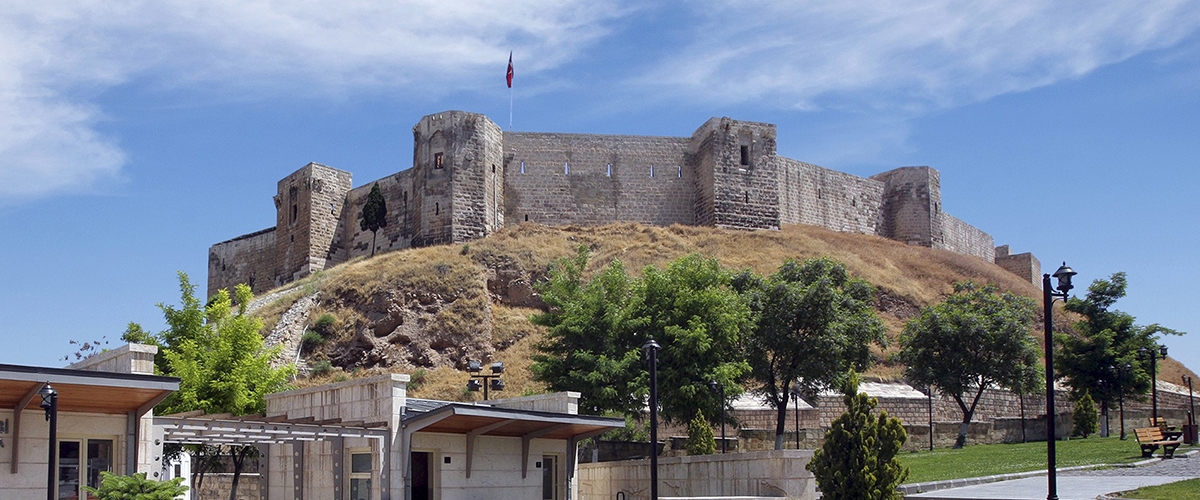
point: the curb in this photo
(911, 488)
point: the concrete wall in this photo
(558, 402)
(561, 179)
(129, 358)
(762, 473)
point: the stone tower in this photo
(736, 174)
(308, 209)
(458, 171)
(912, 205)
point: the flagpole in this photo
(510, 107)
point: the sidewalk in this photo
(1076, 484)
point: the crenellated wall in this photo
(469, 179)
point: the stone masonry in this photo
(469, 179)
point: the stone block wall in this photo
(912, 196)
(561, 179)
(960, 237)
(557, 402)
(809, 194)
(1024, 265)
(246, 259)
(737, 164)
(353, 241)
(776, 473)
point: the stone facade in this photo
(469, 179)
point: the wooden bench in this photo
(1168, 432)
(1151, 438)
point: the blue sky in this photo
(133, 135)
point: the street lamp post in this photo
(651, 348)
(929, 392)
(50, 404)
(1063, 275)
(1153, 356)
(494, 381)
(720, 390)
(1187, 379)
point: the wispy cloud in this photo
(54, 56)
(906, 56)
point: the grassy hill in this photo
(427, 311)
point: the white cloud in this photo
(907, 55)
(55, 55)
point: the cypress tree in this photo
(858, 459)
(374, 214)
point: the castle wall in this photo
(246, 259)
(740, 159)
(1024, 265)
(912, 197)
(353, 241)
(309, 207)
(960, 237)
(562, 179)
(809, 194)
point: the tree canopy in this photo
(597, 328)
(812, 324)
(974, 340)
(1106, 340)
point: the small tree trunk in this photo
(780, 423)
(373, 234)
(239, 458)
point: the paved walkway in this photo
(1076, 484)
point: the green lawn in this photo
(1181, 490)
(989, 459)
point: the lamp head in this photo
(497, 384)
(650, 346)
(473, 385)
(497, 368)
(474, 366)
(1142, 352)
(713, 385)
(1162, 350)
(1063, 275)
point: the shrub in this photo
(311, 339)
(858, 459)
(324, 324)
(417, 379)
(136, 487)
(320, 368)
(1087, 420)
(700, 440)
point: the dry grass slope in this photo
(429, 310)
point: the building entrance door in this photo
(421, 484)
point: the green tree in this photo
(217, 351)
(974, 340)
(700, 440)
(1104, 340)
(586, 347)
(858, 461)
(1085, 417)
(596, 329)
(374, 214)
(691, 310)
(136, 487)
(812, 324)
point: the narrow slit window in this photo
(526, 217)
(522, 167)
(679, 171)
(651, 170)
(746, 196)
(609, 173)
(437, 209)
(745, 155)
(493, 168)
(437, 160)
(567, 168)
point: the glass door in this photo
(549, 477)
(79, 464)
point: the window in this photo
(522, 167)
(745, 155)
(74, 473)
(437, 160)
(549, 478)
(651, 170)
(360, 475)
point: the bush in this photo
(320, 368)
(311, 339)
(324, 325)
(858, 460)
(136, 487)
(700, 439)
(1087, 419)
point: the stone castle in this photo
(469, 178)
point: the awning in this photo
(219, 429)
(82, 390)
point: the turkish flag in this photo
(510, 71)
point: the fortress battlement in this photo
(469, 178)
